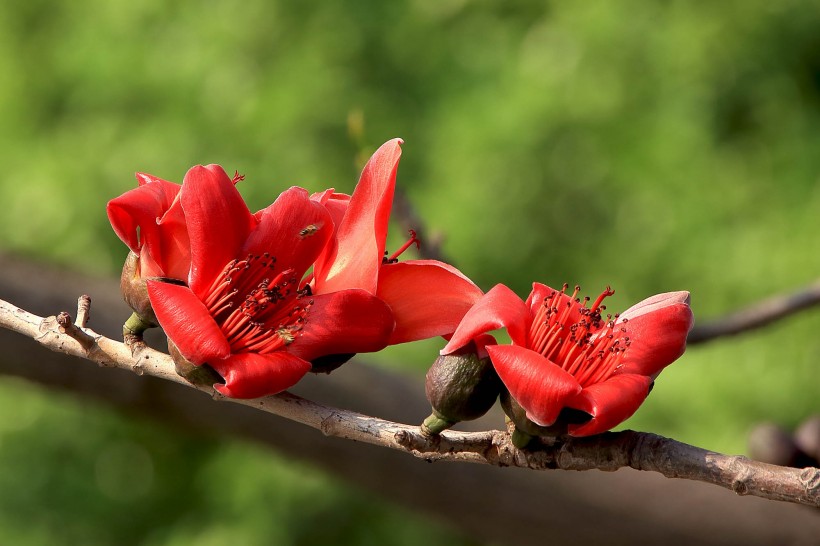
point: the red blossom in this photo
(246, 310)
(150, 221)
(428, 298)
(564, 354)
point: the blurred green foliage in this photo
(648, 145)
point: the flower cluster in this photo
(231, 290)
(301, 285)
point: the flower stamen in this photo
(413, 240)
(257, 308)
(576, 337)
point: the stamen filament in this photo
(590, 349)
(410, 242)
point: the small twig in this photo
(757, 315)
(67, 326)
(607, 452)
(83, 310)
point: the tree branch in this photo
(474, 498)
(607, 452)
(757, 315)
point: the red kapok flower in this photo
(428, 298)
(566, 355)
(150, 221)
(245, 310)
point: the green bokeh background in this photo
(648, 145)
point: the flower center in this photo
(577, 338)
(258, 309)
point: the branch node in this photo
(403, 438)
(810, 478)
(744, 475)
(328, 424)
(138, 356)
(66, 326)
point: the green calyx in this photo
(434, 424)
(135, 326)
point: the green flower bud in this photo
(459, 387)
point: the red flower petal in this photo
(497, 308)
(428, 298)
(293, 229)
(537, 295)
(657, 328)
(187, 322)
(655, 302)
(539, 386)
(143, 208)
(348, 321)
(335, 203)
(355, 261)
(218, 223)
(251, 375)
(610, 403)
(145, 178)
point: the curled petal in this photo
(428, 298)
(500, 307)
(610, 403)
(657, 333)
(174, 248)
(187, 322)
(251, 375)
(656, 302)
(539, 386)
(140, 208)
(218, 223)
(162, 240)
(355, 260)
(348, 321)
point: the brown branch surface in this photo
(757, 315)
(606, 452)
